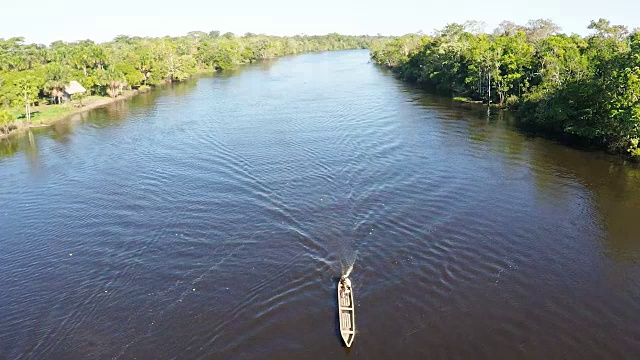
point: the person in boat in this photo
(345, 287)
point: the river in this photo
(211, 218)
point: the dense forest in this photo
(583, 87)
(32, 74)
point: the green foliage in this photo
(512, 102)
(586, 87)
(32, 73)
(7, 122)
(28, 88)
(16, 88)
(56, 78)
(155, 59)
(112, 80)
(633, 148)
(130, 74)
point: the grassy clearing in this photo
(46, 114)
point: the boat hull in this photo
(346, 314)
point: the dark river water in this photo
(210, 220)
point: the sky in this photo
(43, 21)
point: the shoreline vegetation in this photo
(33, 77)
(583, 89)
(48, 115)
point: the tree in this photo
(57, 77)
(132, 76)
(113, 80)
(229, 35)
(585, 87)
(510, 60)
(508, 28)
(451, 32)
(541, 28)
(142, 60)
(29, 87)
(479, 64)
(474, 27)
(622, 88)
(11, 52)
(6, 121)
(125, 39)
(225, 54)
(603, 28)
(30, 73)
(560, 60)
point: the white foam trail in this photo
(347, 265)
(348, 271)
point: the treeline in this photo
(584, 87)
(32, 74)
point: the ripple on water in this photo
(214, 216)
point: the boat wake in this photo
(346, 265)
(348, 271)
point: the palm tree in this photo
(98, 57)
(57, 77)
(56, 90)
(113, 80)
(4, 54)
(80, 57)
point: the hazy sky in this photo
(45, 21)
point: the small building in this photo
(73, 88)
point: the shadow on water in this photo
(8, 147)
(178, 89)
(261, 65)
(614, 185)
(612, 181)
(60, 131)
(28, 143)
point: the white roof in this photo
(74, 88)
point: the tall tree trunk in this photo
(489, 90)
(27, 110)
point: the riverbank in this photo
(48, 115)
(466, 100)
(529, 121)
(575, 87)
(43, 116)
(158, 187)
(167, 60)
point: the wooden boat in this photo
(346, 311)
